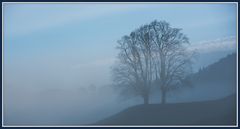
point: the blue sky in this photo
(75, 43)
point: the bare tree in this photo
(172, 60)
(153, 54)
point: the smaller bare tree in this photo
(135, 68)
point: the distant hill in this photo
(223, 70)
(218, 112)
(214, 81)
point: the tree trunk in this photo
(163, 96)
(146, 99)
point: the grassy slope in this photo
(218, 112)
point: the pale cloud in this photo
(220, 44)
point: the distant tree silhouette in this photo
(154, 54)
(222, 71)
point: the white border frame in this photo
(124, 3)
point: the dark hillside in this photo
(218, 112)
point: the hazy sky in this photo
(53, 52)
(72, 45)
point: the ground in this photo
(217, 112)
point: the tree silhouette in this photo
(154, 54)
(172, 60)
(136, 64)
